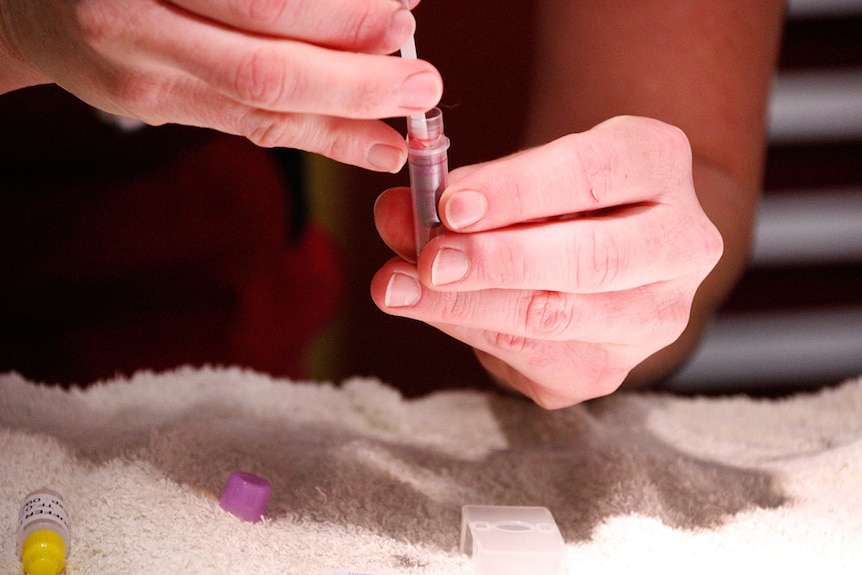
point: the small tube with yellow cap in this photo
(43, 533)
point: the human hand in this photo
(308, 75)
(572, 262)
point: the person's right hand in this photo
(564, 266)
(313, 75)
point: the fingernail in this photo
(449, 266)
(385, 158)
(401, 25)
(402, 291)
(419, 91)
(465, 209)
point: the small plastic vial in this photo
(43, 533)
(428, 165)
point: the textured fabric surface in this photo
(366, 480)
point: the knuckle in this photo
(514, 197)
(670, 139)
(703, 247)
(672, 320)
(663, 323)
(550, 400)
(364, 28)
(261, 79)
(607, 378)
(337, 144)
(664, 147)
(98, 22)
(602, 370)
(599, 261)
(359, 28)
(595, 371)
(713, 245)
(140, 93)
(511, 343)
(671, 151)
(546, 314)
(336, 138)
(263, 12)
(658, 135)
(456, 307)
(312, 134)
(510, 266)
(268, 133)
(592, 165)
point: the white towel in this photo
(367, 481)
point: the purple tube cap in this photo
(246, 496)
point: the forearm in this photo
(703, 66)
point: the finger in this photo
(622, 161)
(533, 365)
(393, 217)
(298, 77)
(369, 144)
(626, 249)
(183, 99)
(275, 75)
(378, 26)
(650, 316)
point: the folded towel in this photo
(365, 480)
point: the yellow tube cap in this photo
(43, 553)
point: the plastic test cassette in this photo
(512, 540)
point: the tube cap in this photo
(246, 496)
(43, 553)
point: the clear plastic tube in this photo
(428, 164)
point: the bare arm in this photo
(701, 65)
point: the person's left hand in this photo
(572, 262)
